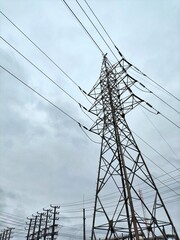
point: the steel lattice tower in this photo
(122, 168)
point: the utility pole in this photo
(122, 167)
(40, 215)
(29, 228)
(34, 226)
(43, 225)
(6, 234)
(54, 225)
(47, 216)
(84, 224)
(9, 235)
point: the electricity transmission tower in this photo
(122, 168)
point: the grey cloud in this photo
(47, 157)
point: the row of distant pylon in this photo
(42, 225)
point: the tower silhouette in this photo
(122, 168)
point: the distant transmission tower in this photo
(118, 210)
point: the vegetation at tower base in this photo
(122, 168)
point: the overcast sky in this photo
(45, 157)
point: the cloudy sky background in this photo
(45, 157)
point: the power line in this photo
(31, 89)
(178, 169)
(104, 29)
(111, 204)
(40, 50)
(160, 134)
(47, 100)
(160, 167)
(165, 102)
(83, 27)
(81, 106)
(144, 193)
(142, 85)
(134, 68)
(110, 195)
(91, 38)
(4, 218)
(11, 223)
(169, 120)
(89, 200)
(99, 22)
(158, 113)
(83, 128)
(96, 29)
(58, 66)
(168, 186)
(88, 135)
(39, 70)
(156, 151)
(14, 216)
(139, 71)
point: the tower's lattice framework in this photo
(122, 170)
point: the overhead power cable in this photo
(130, 64)
(79, 21)
(5, 218)
(133, 67)
(161, 135)
(139, 71)
(89, 136)
(147, 194)
(166, 173)
(142, 85)
(53, 61)
(109, 196)
(41, 50)
(113, 203)
(173, 199)
(96, 29)
(47, 100)
(69, 205)
(10, 223)
(177, 169)
(40, 70)
(12, 215)
(165, 102)
(165, 184)
(156, 151)
(83, 128)
(168, 186)
(150, 83)
(104, 29)
(81, 106)
(169, 120)
(99, 22)
(158, 112)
